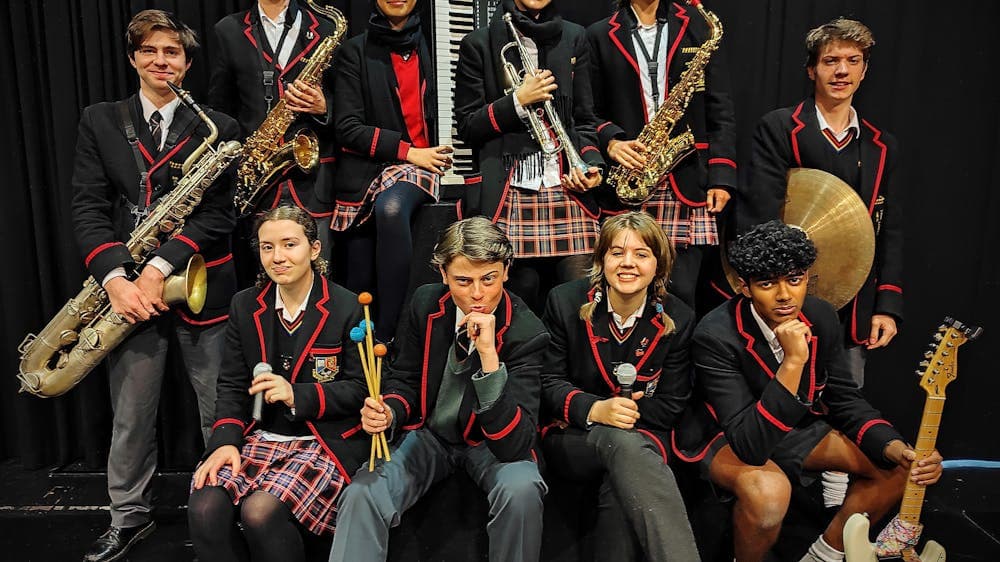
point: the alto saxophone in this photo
(663, 152)
(265, 155)
(543, 122)
(86, 328)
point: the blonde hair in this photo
(475, 238)
(651, 234)
(299, 217)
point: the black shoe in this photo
(115, 543)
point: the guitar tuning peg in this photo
(925, 364)
(919, 373)
(938, 337)
(942, 328)
(928, 354)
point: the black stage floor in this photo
(53, 515)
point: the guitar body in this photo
(857, 548)
(900, 536)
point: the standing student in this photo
(129, 156)
(389, 165)
(638, 56)
(542, 203)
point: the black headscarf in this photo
(401, 40)
(545, 29)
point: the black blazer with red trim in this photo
(488, 122)
(790, 138)
(410, 388)
(236, 88)
(368, 114)
(621, 111)
(329, 409)
(735, 370)
(579, 372)
(105, 175)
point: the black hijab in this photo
(401, 40)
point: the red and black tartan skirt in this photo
(299, 473)
(346, 214)
(684, 225)
(546, 223)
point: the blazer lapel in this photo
(873, 155)
(648, 337)
(754, 341)
(599, 336)
(308, 37)
(677, 25)
(263, 321)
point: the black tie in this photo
(155, 120)
(462, 343)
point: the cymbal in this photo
(837, 221)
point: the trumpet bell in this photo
(190, 288)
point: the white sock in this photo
(834, 487)
(820, 551)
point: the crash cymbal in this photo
(837, 221)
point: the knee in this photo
(763, 497)
(519, 489)
(206, 508)
(611, 442)
(260, 511)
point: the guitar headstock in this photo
(939, 367)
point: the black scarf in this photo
(546, 29)
(401, 40)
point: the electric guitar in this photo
(900, 536)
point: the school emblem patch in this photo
(326, 368)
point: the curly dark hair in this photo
(771, 250)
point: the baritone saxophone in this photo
(86, 328)
(265, 156)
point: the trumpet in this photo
(543, 122)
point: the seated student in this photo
(284, 471)
(622, 315)
(384, 112)
(461, 391)
(772, 365)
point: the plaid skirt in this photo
(299, 473)
(684, 225)
(546, 223)
(346, 214)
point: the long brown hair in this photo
(651, 233)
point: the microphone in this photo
(626, 374)
(258, 399)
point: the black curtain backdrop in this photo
(927, 84)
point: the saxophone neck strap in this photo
(269, 70)
(138, 210)
(652, 62)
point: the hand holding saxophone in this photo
(434, 159)
(536, 88)
(628, 153)
(304, 98)
(129, 300)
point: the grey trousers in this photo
(136, 369)
(375, 501)
(641, 514)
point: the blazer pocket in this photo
(325, 361)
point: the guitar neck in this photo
(913, 496)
